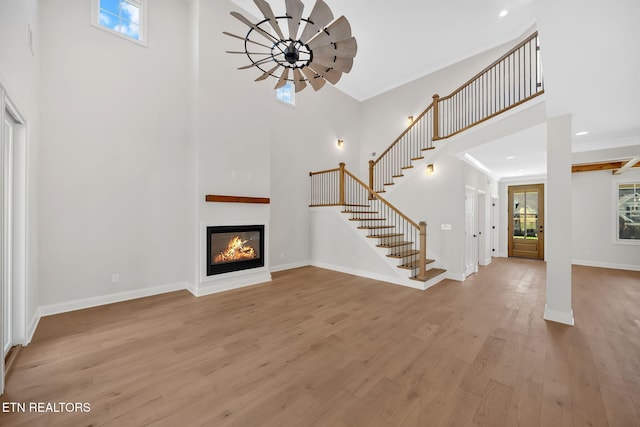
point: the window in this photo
(286, 94)
(628, 212)
(124, 18)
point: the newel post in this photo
(436, 117)
(341, 200)
(371, 167)
(422, 260)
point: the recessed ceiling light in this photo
(504, 13)
(510, 157)
(584, 132)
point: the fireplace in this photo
(234, 247)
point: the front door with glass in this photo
(526, 225)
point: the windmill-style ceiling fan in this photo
(322, 52)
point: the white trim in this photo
(458, 277)
(33, 325)
(558, 316)
(79, 304)
(363, 273)
(291, 266)
(226, 284)
(611, 265)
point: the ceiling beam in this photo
(628, 165)
(601, 166)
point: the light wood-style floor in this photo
(316, 347)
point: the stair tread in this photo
(367, 219)
(394, 244)
(359, 212)
(375, 227)
(407, 167)
(428, 148)
(429, 274)
(356, 206)
(413, 264)
(384, 236)
(404, 254)
(389, 183)
(397, 176)
(417, 158)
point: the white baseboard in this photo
(485, 262)
(453, 276)
(606, 265)
(214, 286)
(35, 320)
(362, 273)
(48, 310)
(558, 316)
(291, 266)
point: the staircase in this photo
(401, 238)
(513, 79)
(393, 242)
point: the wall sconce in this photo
(430, 169)
(410, 118)
(340, 143)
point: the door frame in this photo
(539, 187)
(16, 257)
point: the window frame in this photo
(142, 6)
(616, 212)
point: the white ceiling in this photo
(588, 50)
(402, 40)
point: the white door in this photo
(6, 198)
(483, 257)
(470, 236)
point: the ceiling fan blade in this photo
(320, 16)
(342, 64)
(314, 78)
(343, 48)
(298, 80)
(266, 10)
(255, 64)
(332, 76)
(257, 29)
(337, 30)
(283, 78)
(247, 53)
(294, 10)
(267, 73)
(242, 38)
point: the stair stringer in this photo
(393, 273)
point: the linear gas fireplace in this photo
(234, 248)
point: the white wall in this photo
(113, 163)
(594, 221)
(19, 69)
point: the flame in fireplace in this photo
(236, 251)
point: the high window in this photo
(286, 94)
(124, 18)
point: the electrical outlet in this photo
(115, 278)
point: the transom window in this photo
(122, 17)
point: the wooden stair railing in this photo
(514, 78)
(403, 238)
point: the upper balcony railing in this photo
(513, 79)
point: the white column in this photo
(558, 220)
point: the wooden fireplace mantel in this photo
(236, 199)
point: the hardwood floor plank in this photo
(317, 347)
